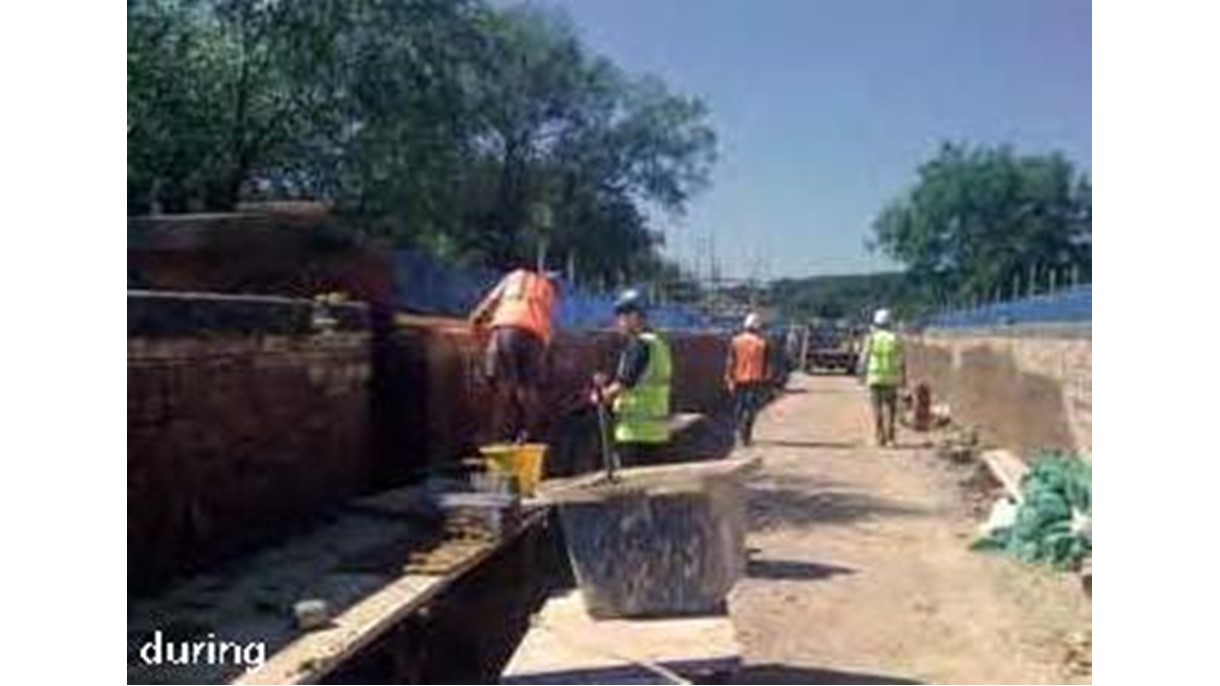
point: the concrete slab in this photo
(567, 645)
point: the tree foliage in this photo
(481, 133)
(850, 296)
(981, 222)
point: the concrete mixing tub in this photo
(659, 541)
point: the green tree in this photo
(568, 130)
(981, 222)
(451, 125)
(849, 296)
(219, 94)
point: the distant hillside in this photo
(851, 296)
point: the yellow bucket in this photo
(523, 461)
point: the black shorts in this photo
(515, 357)
(883, 395)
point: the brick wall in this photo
(432, 400)
(234, 439)
(1027, 390)
(259, 253)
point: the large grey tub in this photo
(664, 540)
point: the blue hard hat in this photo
(629, 300)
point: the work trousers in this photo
(885, 411)
(747, 399)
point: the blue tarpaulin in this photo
(423, 285)
(1074, 305)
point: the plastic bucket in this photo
(523, 461)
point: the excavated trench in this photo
(468, 634)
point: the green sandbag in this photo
(1056, 486)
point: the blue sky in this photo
(824, 108)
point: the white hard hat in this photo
(753, 321)
(881, 317)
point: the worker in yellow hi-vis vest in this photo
(884, 368)
(639, 391)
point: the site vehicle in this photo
(830, 346)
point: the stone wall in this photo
(235, 439)
(1024, 389)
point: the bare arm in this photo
(862, 360)
(482, 311)
(611, 391)
(902, 365)
(730, 360)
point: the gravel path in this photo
(860, 570)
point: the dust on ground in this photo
(860, 569)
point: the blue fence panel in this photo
(1074, 305)
(426, 286)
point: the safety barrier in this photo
(1073, 305)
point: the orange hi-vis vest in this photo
(527, 301)
(749, 357)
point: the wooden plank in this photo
(1008, 469)
(553, 491)
(314, 655)
(406, 501)
(566, 645)
(684, 421)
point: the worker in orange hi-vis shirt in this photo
(520, 313)
(746, 376)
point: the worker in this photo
(520, 314)
(792, 350)
(745, 375)
(639, 391)
(884, 368)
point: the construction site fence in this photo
(424, 285)
(1070, 306)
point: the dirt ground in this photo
(860, 569)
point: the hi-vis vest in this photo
(527, 303)
(749, 357)
(883, 362)
(642, 412)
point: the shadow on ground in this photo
(785, 674)
(793, 569)
(797, 501)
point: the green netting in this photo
(1057, 495)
